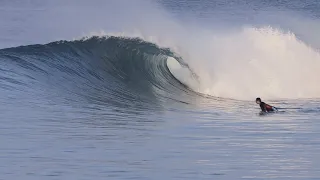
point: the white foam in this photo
(259, 62)
(183, 74)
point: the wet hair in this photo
(258, 99)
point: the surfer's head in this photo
(258, 100)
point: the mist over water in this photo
(159, 89)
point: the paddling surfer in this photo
(265, 107)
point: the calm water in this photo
(110, 108)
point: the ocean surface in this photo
(162, 89)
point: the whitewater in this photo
(159, 89)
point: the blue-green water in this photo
(159, 89)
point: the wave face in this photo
(107, 70)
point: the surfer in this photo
(265, 107)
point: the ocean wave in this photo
(112, 70)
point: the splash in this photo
(254, 62)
